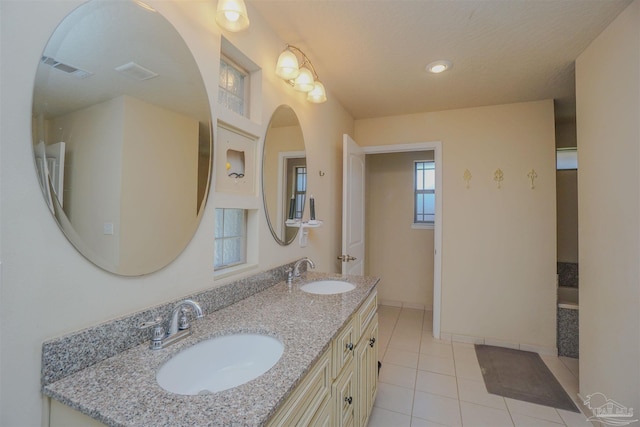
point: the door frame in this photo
(436, 147)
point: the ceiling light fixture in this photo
(232, 15)
(438, 67)
(295, 67)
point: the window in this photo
(230, 238)
(424, 192)
(300, 189)
(566, 158)
(232, 87)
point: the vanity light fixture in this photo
(232, 15)
(438, 67)
(296, 68)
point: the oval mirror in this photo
(284, 174)
(122, 136)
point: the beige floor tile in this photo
(442, 385)
(436, 348)
(483, 416)
(533, 410)
(441, 365)
(384, 418)
(468, 369)
(408, 332)
(526, 421)
(439, 409)
(427, 382)
(402, 343)
(475, 392)
(398, 375)
(394, 398)
(402, 358)
(419, 422)
(574, 419)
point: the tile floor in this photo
(426, 382)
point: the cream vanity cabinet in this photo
(340, 389)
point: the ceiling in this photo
(371, 54)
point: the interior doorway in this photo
(405, 251)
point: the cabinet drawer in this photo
(345, 398)
(366, 312)
(343, 348)
(309, 398)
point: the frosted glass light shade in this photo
(232, 15)
(287, 67)
(317, 95)
(304, 81)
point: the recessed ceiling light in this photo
(438, 67)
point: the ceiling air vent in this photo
(135, 71)
(66, 68)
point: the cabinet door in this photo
(324, 417)
(372, 365)
(345, 399)
(367, 372)
(309, 398)
(362, 380)
(343, 348)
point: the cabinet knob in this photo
(350, 346)
(348, 400)
(372, 341)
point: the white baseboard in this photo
(469, 339)
(401, 304)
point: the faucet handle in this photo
(150, 323)
(183, 322)
(158, 332)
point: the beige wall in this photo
(47, 287)
(93, 172)
(159, 154)
(567, 208)
(499, 245)
(567, 196)
(401, 255)
(608, 112)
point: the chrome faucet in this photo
(296, 269)
(179, 327)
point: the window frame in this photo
(246, 82)
(416, 192)
(242, 236)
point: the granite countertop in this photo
(122, 390)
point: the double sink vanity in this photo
(302, 353)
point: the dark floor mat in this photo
(521, 375)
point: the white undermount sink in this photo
(327, 287)
(219, 364)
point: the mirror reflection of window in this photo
(300, 189)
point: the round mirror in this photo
(284, 174)
(122, 136)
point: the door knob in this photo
(347, 258)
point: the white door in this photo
(353, 169)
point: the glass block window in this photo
(232, 84)
(300, 190)
(425, 192)
(230, 238)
